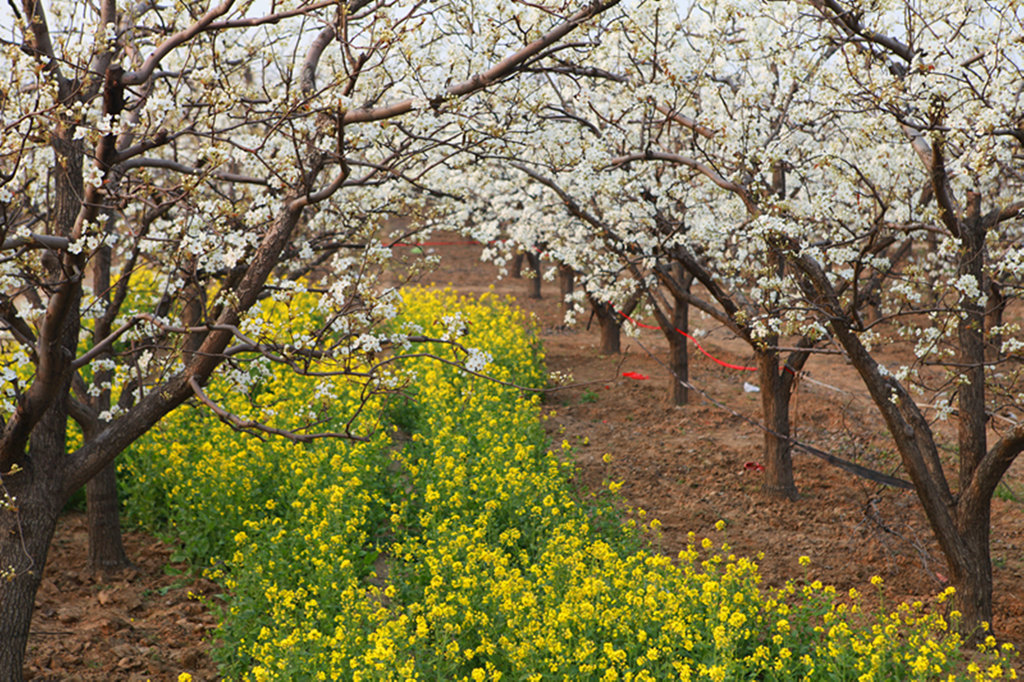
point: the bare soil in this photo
(145, 623)
(688, 466)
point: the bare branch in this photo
(503, 69)
(102, 58)
(576, 70)
(248, 425)
(143, 73)
(949, 212)
(161, 138)
(36, 241)
(991, 468)
(106, 342)
(307, 77)
(1014, 210)
(685, 121)
(270, 18)
(147, 162)
(20, 329)
(41, 44)
(323, 193)
(848, 21)
(701, 168)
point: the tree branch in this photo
(148, 162)
(948, 211)
(503, 69)
(1014, 210)
(851, 25)
(250, 426)
(42, 45)
(143, 73)
(701, 168)
(106, 342)
(307, 76)
(36, 241)
(993, 466)
(274, 18)
(685, 121)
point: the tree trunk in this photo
(103, 514)
(994, 319)
(679, 357)
(533, 277)
(567, 285)
(24, 542)
(971, 574)
(106, 550)
(972, 566)
(27, 529)
(31, 498)
(778, 461)
(610, 328)
(517, 265)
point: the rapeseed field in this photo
(451, 544)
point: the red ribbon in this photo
(723, 363)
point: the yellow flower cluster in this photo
(462, 551)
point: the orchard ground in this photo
(687, 466)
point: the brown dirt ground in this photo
(687, 466)
(145, 623)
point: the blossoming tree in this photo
(899, 152)
(613, 171)
(930, 106)
(167, 166)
